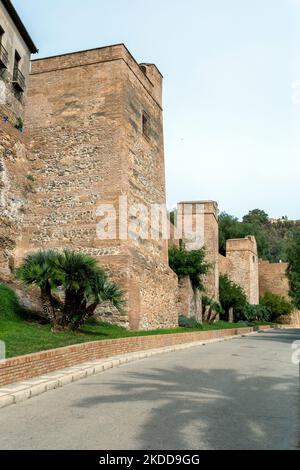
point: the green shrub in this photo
(293, 271)
(186, 322)
(189, 263)
(210, 302)
(231, 296)
(30, 177)
(9, 304)
(277, 305)
(254, 313)
(19, 124)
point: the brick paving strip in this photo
(22, 391)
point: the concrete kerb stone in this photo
(22, 391)
(6, 400)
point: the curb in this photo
(22, 391)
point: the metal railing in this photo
(3, 56)
(19, 79)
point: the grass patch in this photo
(9, 305)
(24, 337)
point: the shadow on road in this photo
(192, 408)
(281, 336)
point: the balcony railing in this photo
(19, 79)
(3, 57)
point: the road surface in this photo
(238, 394)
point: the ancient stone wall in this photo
(243, 266)
(189, 300)
(225, 265)
(174, 241)
(272, 278)
(211, 244)
(89, 147)
(295, 318)
(204, 235)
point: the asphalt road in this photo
(238, 394)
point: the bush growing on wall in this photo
(277, 305)
(189, 263)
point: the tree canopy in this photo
(189, 263)
(293, 256)
(231, 295)
(272, 237)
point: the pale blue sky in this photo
(231, 127)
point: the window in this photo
(3, 52)
(146, 125)
(143, 69)
(18, 77)
(1, 34)
(17, 62)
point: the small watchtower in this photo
(243, 259)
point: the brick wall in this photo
(33, 365)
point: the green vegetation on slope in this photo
(10, 309)
(24, 337)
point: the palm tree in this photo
(36, 271)
(84, 283)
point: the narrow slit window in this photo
(17, 62)
(3, 51)
(146, 125)
(1, 34)
(18, 77)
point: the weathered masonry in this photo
(96, 127)
(241, 264)
(93, 149)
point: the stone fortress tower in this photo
(96, 130)
(206, 236)
(241, 265)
